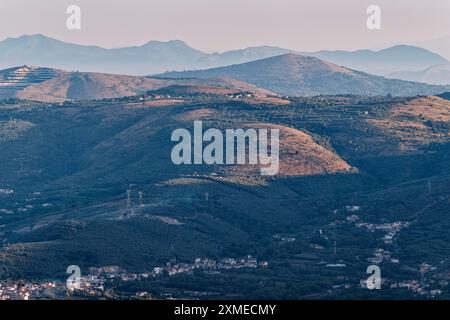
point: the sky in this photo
(219, 25)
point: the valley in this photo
(350, 175)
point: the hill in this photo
(297, 75)
(88, 86)
(52, 85)
(417, 122)
(105, 146)
(15, 79)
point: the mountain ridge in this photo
(155, 57)
(437, 74)
(382, 62)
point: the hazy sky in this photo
(217, 25)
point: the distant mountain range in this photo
(440, 45)
(150, 58)
(438, 74)
(393, 59)
(40, 50)
(296, 75)
(157, 57)
(264, 69)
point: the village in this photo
(424, 287)
(95, 283)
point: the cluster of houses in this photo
(419, 287)
(284, 238)
(210, 264)
(94, 283)
(20, 290)
(155, 96)
(379, 255)
(6, 191)
(391, 229)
